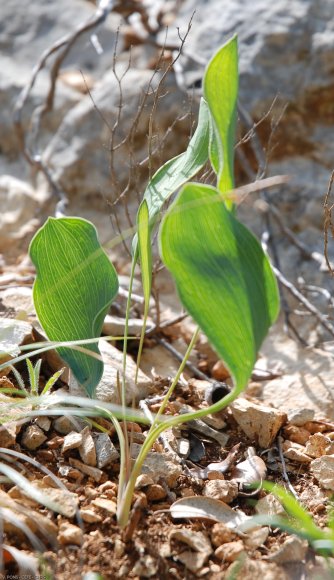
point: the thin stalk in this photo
(141, 341)
(177, 377)
(124, 475)
(124, 506)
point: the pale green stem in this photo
(124, 474)
(176, 379)
(141, 342)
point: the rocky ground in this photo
(88, 156)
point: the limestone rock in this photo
(260, 423)
(230, 552)
(293, 550)
(33, 437)
(113, 364)
(70, 534)
(87, 448)
(106, 452)
(71, 441)
(323, 470)
(223, 490)
(159, 466)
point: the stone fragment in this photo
(65, 424)
(230, 552)
(256, 538)
(299, 417)
(36, 522)
(254, 569)
(70, 535)
(221, 534)
(223, 490)
(90, 516)
(71, 441)
(33, 437)
(68, 501)
(219, 371)
(44, 423)
(155, 492)
(295, 452)
(106, 452)
(114, 326)
(159, 466)
(318, 445)
(198, 541)
(296, 434)
(293, 550)
(315, 427)
(13, 333)
(145, 567)
(106, 390)
(8, 434)
(269, 506)
(323, 470)
(105, 504)
(260, 423)
(92, 472)
(297, 455)
(70, 472)
(87, 448)
(143, 480)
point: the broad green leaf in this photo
(73, 290)
(178, 170)
(223, 277)
(221, 93)
(145, 255)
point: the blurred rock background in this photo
(286, 86)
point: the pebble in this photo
(87, 448)
(299, 417)
(259, 422)
(219, 371)
(221, 534)
(33, 437)
(71, 441)
(70, 535)
(159, 466)
(318, 445)
(90, 516)
(105, 504)
(222, 490)
(106, 452)
(293, 550)
(155, 492)
(44, 423)
(65, 424)
(296, 434)
(92, 472)
(8, 435)
(269, 506)
(230, 552)
(323, 470)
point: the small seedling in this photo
(223, 276)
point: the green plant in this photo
(223, 276)
(34, 378)
(297, 521)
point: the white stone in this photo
(260, 423)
